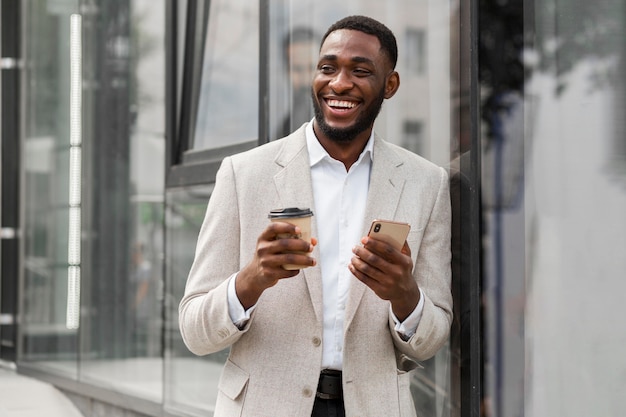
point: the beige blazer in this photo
(274, 362)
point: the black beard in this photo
(363, 122)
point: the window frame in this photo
(186, 166)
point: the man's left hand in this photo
(387, 271)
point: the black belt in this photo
(329, 386)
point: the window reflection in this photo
(416, 55)
(300, 51)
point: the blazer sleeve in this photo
(433, 274)
(204, 321)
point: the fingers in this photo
(368, 267)
(365, 273)
(279, 245)
(282, 265)
(380, 254)
(381, 267)
(276, 230)
(281, 230)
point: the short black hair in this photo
(372, 27)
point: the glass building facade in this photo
(116, 114)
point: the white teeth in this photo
(343, 104)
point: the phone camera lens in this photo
(377, 227)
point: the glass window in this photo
(93, 193)
(124, 161)
(229, 87)
(554, 204)
(191, 382)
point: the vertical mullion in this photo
(171, 83)
(184, 127)
(471, 283)
(195, 36)
(264, 82)
(10, 119)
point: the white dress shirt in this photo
(340, 198)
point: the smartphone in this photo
(394, 233)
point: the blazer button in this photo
(317, 341)
(307, 392)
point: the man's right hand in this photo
(272, 252)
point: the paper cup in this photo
(300, 217)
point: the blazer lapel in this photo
(386, 184)
(294, 188)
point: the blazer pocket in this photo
(233, 381)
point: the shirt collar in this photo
(317, 152)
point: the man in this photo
(301, 47)
(339, 336)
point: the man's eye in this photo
(326, 69)
(361, 72)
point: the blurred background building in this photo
(115, 115)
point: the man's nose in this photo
(341, 82)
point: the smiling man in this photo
(342, 334)
(349, 89)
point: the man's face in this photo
(352, 79)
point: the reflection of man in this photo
(300, 46)
(339, 336)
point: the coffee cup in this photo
(300, 217)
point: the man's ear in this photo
(392, 83)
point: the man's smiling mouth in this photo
(341, 104)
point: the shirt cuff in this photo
(238, 315)
(408, 327)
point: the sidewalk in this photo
(21, 396)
